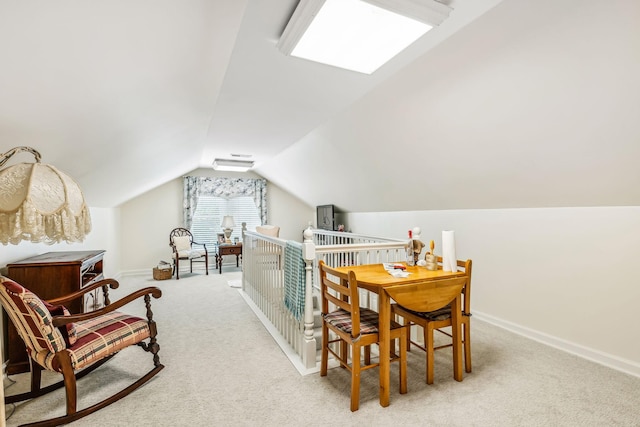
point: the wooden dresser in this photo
(51, 275)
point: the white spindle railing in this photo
(263, 277)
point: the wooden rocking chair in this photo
(77, 344)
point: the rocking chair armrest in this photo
(63, 320)
(112, 283)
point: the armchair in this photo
(76, 344)
(181, 242)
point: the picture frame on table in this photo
(221, 238)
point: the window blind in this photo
(210, 210)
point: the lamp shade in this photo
(39, 203)
(228, 222)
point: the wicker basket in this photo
(162, 274)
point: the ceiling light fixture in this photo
(232, 165)
(358, 35)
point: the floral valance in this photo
(228, 188)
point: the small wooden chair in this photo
(356, 328)
(433, 319)
(61, 342)
(181, 242)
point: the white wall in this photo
(565, 276)
(104, 235)
(288, 212)
(535, 104)
(148, 219)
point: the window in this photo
(207, 217)
(208, 199)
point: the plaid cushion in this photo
(31, 318)
(341, 319)
(68, 331)
(434, 316)
(100, 337)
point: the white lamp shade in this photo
(228, 222)
(41, 204)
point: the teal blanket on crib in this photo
(294, 278)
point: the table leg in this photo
(384, 310)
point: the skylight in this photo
(352, 34)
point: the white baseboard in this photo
(608, 360)
(129, 273)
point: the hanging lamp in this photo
(39, 203)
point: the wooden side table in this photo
(228, 249)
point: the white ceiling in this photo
(126, 95)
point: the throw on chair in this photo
(182, 245)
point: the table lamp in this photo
(227, 226)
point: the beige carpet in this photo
(224, 369)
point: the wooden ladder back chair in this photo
(354, 328)
(182, 245)
(435, 319)
(76, 344)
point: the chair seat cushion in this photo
(341, 319)
(100, 337)
(443, 313)
(191, 254)
(268, 230)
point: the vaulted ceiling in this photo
(514, 103)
